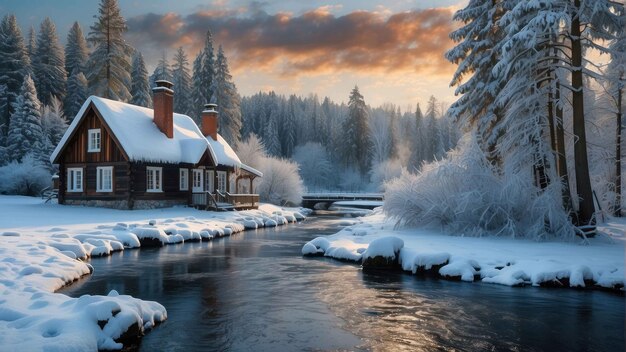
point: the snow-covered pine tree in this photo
(139, 86)
(162, 71)
(208, 69)
(76, 51)
(227, 99)
(413, 135)
(76, 94)
(53, 125)
(182, 83)
(357, 144)
(14, 65)
(108, 66)
(290, 128)
(31, 44)
(270, 138)
(49, 64)
(197, 98)
(25, 133)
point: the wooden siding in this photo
(76, 149)
(170, 178)
(121, 178)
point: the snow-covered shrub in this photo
(28, 177)
(466, 196)
(315, 166)
(281, 184)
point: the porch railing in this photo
(207, 199)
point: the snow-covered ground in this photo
(42, 248)
(506, 261)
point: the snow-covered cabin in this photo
(125, 156)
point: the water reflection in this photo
(254, 291)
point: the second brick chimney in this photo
(209, 121)
(163, 101)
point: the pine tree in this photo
(162, 71)
(76, 51)
(31, 44)
(290, 128)
(197, 98)
(76, 94)
(53, 125)
(182, 83)
(14, 64)
(140, 89)
(49, 64)
(208, 69)
(227, 99)
(357, 134)
(108, 67)
(25, 133)
(270, 140)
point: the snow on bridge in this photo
(309, 200)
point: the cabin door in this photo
(198, 182)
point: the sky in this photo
(393, 49)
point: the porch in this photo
(224, 201)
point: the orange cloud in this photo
(312, 43)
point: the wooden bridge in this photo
(309, 200)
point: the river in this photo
(255, 292)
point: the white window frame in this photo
(222, 180)
(197, 180)
(183, 179)
(209, 179)
(74, 178)
(101, 178)
(94, 135)
(154, 179)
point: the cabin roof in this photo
(141, 139)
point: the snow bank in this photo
(504, 261)
(39, 252)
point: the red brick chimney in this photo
(209, 121)
(163, 101)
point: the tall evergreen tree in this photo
(25, 133)
(76, 94)
(162, 71)
(53, 125)
(197, 98)
(182, 83)
(31, 44)
(270, 140)
(76, 51)
(227, 99)
(140, 89)
(14, 65)
(208, 69)
(357, 134)
(108, 67)
(49, 64)
(290, 127)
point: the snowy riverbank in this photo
(38, 251)
(504, 261)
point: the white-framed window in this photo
(209, 177)
(197, 180)
(94, 140)
(221, 181)
(154, 179)
(104, 179)
(184, 179)
(74, 179)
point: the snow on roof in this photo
(141, 139)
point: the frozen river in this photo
(254, 291)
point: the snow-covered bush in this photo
(28, 177)
(464, 194)
(315, 166)
(281, 184)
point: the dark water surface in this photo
(255, 292)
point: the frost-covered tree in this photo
(207, 74)
(76, 51)
(315, 166)
(270, 138)
(76, 94)
(31, 44)
(290, 128)
(139, 86)
(108, 67)
(357, 133)
(227, 99)
(251, 151)
(27, 177)
(25, 134)
(49, 64)
(182, 84)
(197, 97)
(14, 65)
(281, 184)
(162, 71)
(53, 125)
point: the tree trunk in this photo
(618, 153)
(583, 182)
(560, 151)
